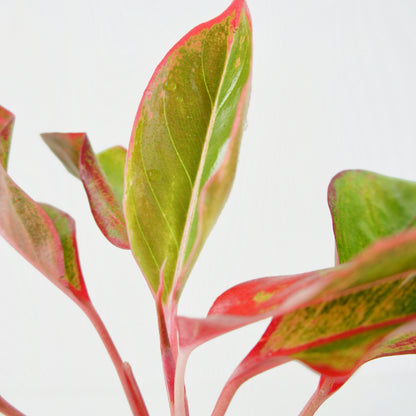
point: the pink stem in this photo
(168, 359)
(124, 372)
(226, 396)
(181, 402)
(248, 368)
(171, 315)
(7, 409)
(327, 386)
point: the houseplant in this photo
(256, 273)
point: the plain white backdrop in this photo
(333, 88)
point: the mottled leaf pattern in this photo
(25, 225)
(333, 320)
(183, 150)
(65, 227)
(104, 192)
(390, 259)
(44, 235)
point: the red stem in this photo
(171, 314)
(124, 372)
(248, 368)
(7, 409)
(327, 386)
(168, 360)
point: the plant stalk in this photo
(7, 409)
(327, 386)
(168, 359)
(123, 369)
(181, 402)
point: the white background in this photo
(333, 88)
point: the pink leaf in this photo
(44, 235)
(75, 152)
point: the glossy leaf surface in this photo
(366, 206)
(44, 235)
(332, 320)
(75, 152)
(183, 150)
(391, 259)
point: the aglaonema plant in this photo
(161, 197)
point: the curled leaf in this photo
(103, 183)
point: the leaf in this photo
(183, 150)
(399, 342)
(329, 319)
(113, 162)
(65, 227)
(24, 224)
(366, 206)
(75, 152)
(44, 235)
(385, 260)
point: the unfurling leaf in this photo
(183, 150)
(102, 180)
(44, 235)
(366, 206)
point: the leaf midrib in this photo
(195, 190)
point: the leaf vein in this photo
(203, 73)
(139, 226)
(173, 143)
(157, 200)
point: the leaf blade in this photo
(366, 206)
(112, 162)
(44, 235)
(333, 320)
(65, 227)
(178, 143)
(75, 152)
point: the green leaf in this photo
(366, 206)
(390, 259)
(398, 342)
(333, 320)
(113, 162)
(184, 146)
(103, 184)
(333, 336)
